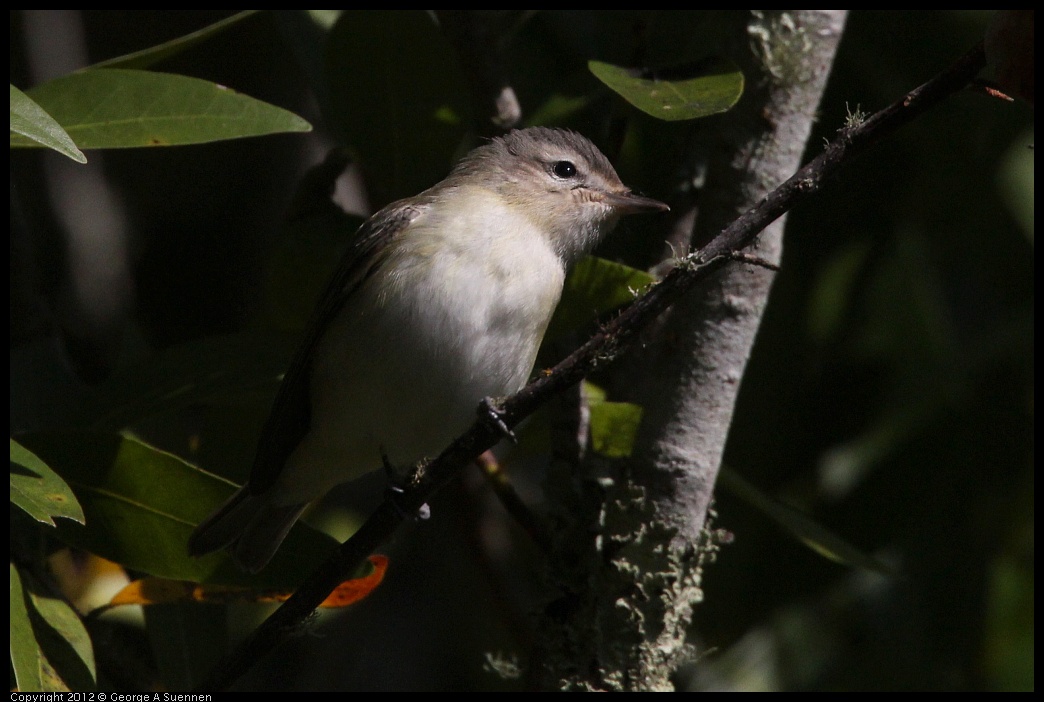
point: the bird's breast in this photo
(454, 313)
(478, 283)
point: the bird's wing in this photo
(290, 418)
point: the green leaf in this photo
(154, 54)
(884, 435)
(26, 657)
(832, 294)
(557, 109)
(595, 286)
(324, 19)
(142, 503)
(63, 638)
(399, 95)
(225, 369)
(716, 89)
(50, 648)
(806, 530)
(38, 490)
(1008, 641)
(30, 120)
(116, 108)
(614, 426)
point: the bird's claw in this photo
(421, 514)
(491, 414)
(395, 489)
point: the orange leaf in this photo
(351, 591)
(150, 591)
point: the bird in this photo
(441, 300)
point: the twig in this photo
(741, 257)
(512, 502)
(598, 350)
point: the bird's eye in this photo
(563, 169)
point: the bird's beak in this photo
(629, 203)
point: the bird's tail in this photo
(249, 526)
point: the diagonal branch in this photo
(602, 348)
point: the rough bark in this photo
(630, 591)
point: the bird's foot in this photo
(397, 488)
(491, 414)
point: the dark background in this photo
(889, 395)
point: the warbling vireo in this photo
(441, 301)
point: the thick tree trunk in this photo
(631, 590)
